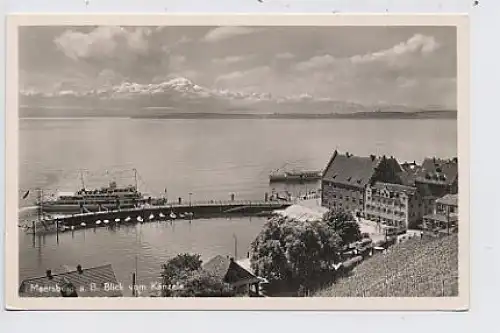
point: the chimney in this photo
(347, 153)
(79, 269)
(49, 274)
(231, 259)
(372, 157)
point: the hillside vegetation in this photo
(416, 268)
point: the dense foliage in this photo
(183, 276)
(290, 250)
(344, 225)
(200, 283)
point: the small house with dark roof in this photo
(393, 205)
(82, 282)
(240, 278)
(346, 177)
(444, 215)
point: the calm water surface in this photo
(209, 158)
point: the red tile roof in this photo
(351, 170)
(82, 281)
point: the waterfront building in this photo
(346, 177)
(444, 215)
(393, 205)
(437, 178)
(83, 282)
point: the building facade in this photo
(444, 215)
(346, 178)
(436, 178)
(393, 205)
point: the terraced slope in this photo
(416, 268)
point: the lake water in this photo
(209, 158)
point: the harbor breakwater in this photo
(195, 210)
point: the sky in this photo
(412, 66)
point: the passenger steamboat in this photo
(87, 200)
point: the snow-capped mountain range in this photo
(181, 94)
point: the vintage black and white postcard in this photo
(316, 162)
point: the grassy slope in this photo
(415, 268)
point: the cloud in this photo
(177, 61)
(316, 62)
(285, 55)
(229, 60)
(410, 71)
(243, 79)
(418, 44)
(221, 33)
(102, 42)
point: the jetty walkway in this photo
(173, 211)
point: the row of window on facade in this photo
(385, 210)
(347, 199)
(386, 194)
(394, 204)
(386, 221)
(384, 201)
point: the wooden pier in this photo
(154, 213)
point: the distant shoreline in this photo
(440, 114)
(358, 115)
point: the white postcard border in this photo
(14, 302)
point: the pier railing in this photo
(272, 204)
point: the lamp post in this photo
(190, 194)
(235, 246)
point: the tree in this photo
(294, 251)
(201, 283)
(179, 267)
(343, 224)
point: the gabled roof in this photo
(351, 170)
(438, 171)
(448, 199)
(229, 271)
(218, 266)
(82, 281)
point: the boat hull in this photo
(72, 208)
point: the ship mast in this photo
(82, 180)
(135, 178)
